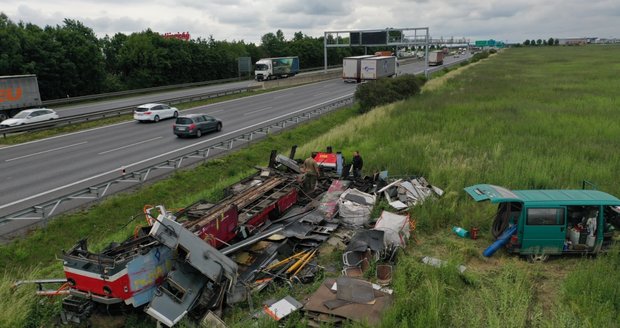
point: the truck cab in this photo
(552, 222)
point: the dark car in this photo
(195, 125)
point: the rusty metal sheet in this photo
(371, 313)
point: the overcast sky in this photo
(248, 20)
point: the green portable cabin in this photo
(551, 222)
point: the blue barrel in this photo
(501, 241)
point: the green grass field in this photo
(540, 117)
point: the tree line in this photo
(541, 42)
(70, 60)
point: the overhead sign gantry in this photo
(389, 37)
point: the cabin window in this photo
(545, 216)
(175, 290)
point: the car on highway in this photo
(154, 112)
(195, 125)
(30, 116)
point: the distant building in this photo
(607, 41)
(574, 41)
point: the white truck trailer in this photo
(18, 92)
(378, 67)
(352, 67)
(435, 58)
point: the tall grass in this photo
(590, 296)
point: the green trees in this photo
(541, 42)
(69, 60)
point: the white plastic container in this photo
(590, 241)
(573, 235)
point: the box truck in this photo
(274, 68)
(351, 68)
(435, 58)
(378, 67)
(18, 92)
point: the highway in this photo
(38, 171)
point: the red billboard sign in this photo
(181, 36)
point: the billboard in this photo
(181, 36)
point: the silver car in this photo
(30, 116)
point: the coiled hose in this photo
(501, 220)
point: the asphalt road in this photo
(35, 172)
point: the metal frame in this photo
(44, 211)
(410, 36)
(419, 36)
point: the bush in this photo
(385, 91)
(479, 56)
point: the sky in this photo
(248, 20)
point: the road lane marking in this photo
(258, 110)
(127, 146)
(320, 94)
(166, 154)
(45, 151)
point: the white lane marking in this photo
(258, 110)
(320, 94)
(65, 135)
(127, 146)
(217, 111)
(45, 151)
(164, 154)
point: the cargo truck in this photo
(274, 68)
(378, 67)
(18, 92)
(351, 68)
(435, 58)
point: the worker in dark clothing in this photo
(357, 165)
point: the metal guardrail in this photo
(115, 112)
(71, 100)
(46, 210)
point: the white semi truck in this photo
(274, 68)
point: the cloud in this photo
(313, 7)
(249, 20)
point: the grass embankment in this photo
(526, 118)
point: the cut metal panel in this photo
(355, 290)
(495, 194)
(177, 295)
(283, 307)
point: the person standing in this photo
(357, 164)
(311, 174)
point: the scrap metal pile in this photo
(266, 230)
